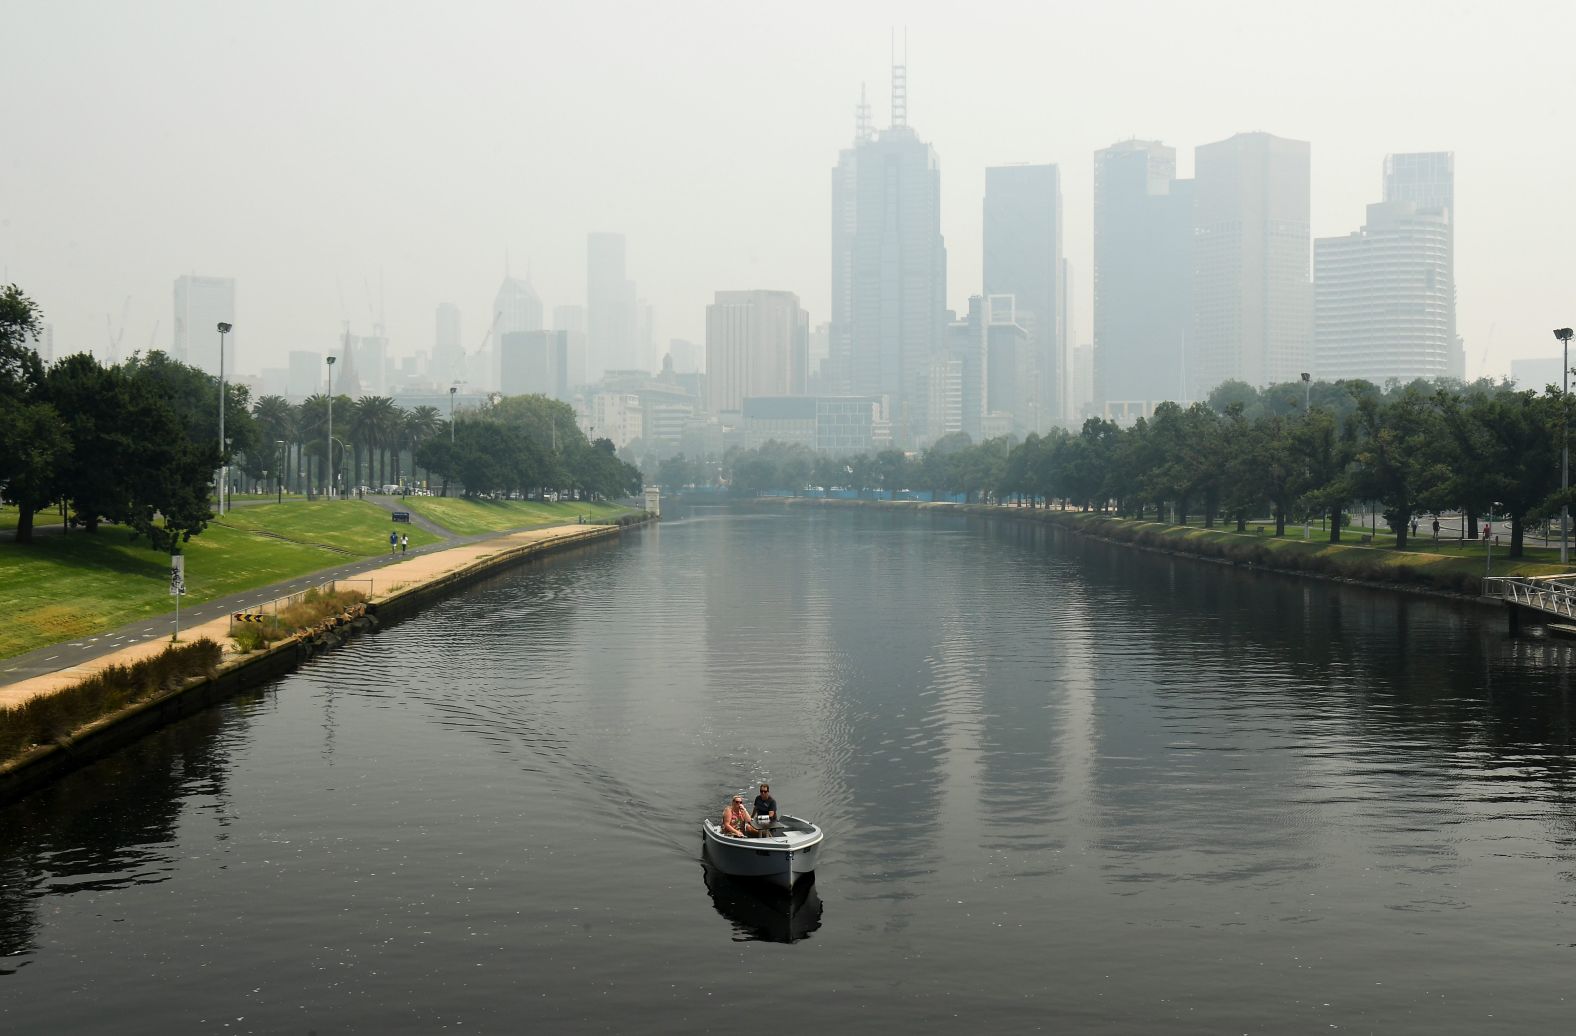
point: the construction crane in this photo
(490, 329)
(1482, 363)
(114, 335)
(153, 338)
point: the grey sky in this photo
(296, 146)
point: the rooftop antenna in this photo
(899, 82)
(862, 128)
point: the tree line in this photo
(1289, 451)
(137, 443)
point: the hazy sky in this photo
(307, 148)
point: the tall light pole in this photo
(328, 458)
(281, 455)
(452, 390)
(1564, 335)
(1307, 388)
(224, 469)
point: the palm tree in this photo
(377, 424)
(421, 424)
(311, 428)
(276, 421)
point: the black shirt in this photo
(765, 805)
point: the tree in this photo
(30, 441)
(1396, 460)
(1514, 436)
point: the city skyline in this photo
(300, 268)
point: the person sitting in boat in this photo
(736, 821)
(765, 808)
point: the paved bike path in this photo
(63, 655)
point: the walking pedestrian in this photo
(1436, 530)
(1414, 526)
(393, 542)
(404, 543)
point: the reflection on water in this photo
(759, 910)
(1062, 782)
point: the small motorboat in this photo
(782, 856)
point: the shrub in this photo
(313, 608)
(51, 717)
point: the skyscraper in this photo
(307, 376)
(756, 345)
(889, 266)
(43, 343)
(612, 322)
(534, 363)
(448, 353)
(517, 308)
(966, 341)
(1383, 298)
(1427, 179)
(1252, 296)
(1143, 273)
(1023, 258)
(201, 303)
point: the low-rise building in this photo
(826, 424)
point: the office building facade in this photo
(612, 317)
(201, 304)
(889, 266)
(1383, 298)
(1427, 179)
(756, 345)
(1143, 273)
(1252, 293)
(1023, 259)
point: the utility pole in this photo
(1564, 335)
(224, 468)
(328, 458)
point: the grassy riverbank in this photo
(470, 517)
(1449, 566)
(64, 586)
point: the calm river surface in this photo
(1065, 787)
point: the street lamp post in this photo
(329, 446)
(342, 449)
(1307, 388)
(224, 469)
(1564, 335)
(1488, 541)
(283, 455)
(452, 390)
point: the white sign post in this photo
(177, 588)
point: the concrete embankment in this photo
(392, 592)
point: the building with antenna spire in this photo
(519, 310)
(889, 265)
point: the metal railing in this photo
(279, 604)
(1553, 595)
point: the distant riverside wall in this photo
(1454, 577)
(424, 578)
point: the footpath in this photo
(51, 668)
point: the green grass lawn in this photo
(62, 587)
(8, 518)
(469, 517)
(1447, 565)
(352, 525)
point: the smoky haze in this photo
(335, 158)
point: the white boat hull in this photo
(781, 860)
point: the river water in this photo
(1066, 786)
